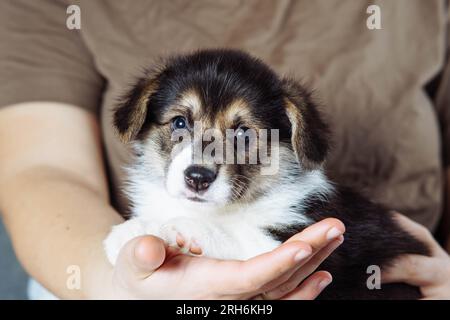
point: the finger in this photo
(140, 257)
(411, 269)
(267, 271)
(321, 233)
(249, 277)
(304, 271)
(318, 235)
(418, 231)
(311, 287)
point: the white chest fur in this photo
(236, 231)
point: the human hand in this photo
(431, 274)
(148, 269)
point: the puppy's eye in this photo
(241, 131)
(179, 123)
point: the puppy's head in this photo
(230, 108)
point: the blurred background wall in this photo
(13, 279)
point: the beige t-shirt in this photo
(387, 138)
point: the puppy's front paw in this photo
(187, 234)
(121, 234)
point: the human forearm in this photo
(57, 220)
(54, 199)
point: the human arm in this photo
(53, 193)
(54, 202)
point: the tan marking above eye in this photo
(237, 113)
(188, 106)
(191, 100)
(176, 111)
(236, 110)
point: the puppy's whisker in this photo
(240, 176)
(240, 188)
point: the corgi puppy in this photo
(228, 162)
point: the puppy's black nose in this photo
(198, 178)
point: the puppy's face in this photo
(206, 125)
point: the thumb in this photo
(140, 257)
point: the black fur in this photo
(372, 238)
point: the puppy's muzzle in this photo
(198, 178)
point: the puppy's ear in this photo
(309, 133)
(130, 114)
